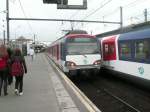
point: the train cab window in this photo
(106, 48)
(142, 50)
(125, 50)
(112, 49)
(109, 49)
(81, 46)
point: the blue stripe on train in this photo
(141, 34)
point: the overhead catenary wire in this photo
(125, 6)
(69, 18)
(13, 1)
(112, 12)
(78, 11)
(103, 3)
(133, 3)
(25, 16)
(137, 15)
(130, 4)
(73, 15)
(97, 9)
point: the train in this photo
(76, 53)
(126, 53)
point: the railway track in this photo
(111, 94)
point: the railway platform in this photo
(45, 91)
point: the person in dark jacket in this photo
(10, 77)
(3, 69)
(18, 68)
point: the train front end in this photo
(82, 54)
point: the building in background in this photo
(25, 44)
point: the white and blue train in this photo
(128, 53)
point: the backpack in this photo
(3, 57)
(3, 63)
(17, 67)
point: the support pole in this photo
(145, 15)
(7, 19)
(121, 17)
(72, 25)
(4, 36)
(34, 38)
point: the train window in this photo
(109, 49)
(106, 48)
(81, 40)
(82, 48)
(142, 49)
(125, 50)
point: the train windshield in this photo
(77, 46)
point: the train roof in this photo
(71, 32)
(139, 34)
(76, 32)
(127, 29)
(83, 35)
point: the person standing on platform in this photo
(10, 77)
(31, 52)
(18, 68)
(3, 69)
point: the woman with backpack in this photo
(18, 68)
(3, 69)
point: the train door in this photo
(57, 47)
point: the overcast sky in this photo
(107, 10)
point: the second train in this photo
(76, 53)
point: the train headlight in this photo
(69, 63)
(97, 62)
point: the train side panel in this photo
(133, 54)
(131, 68)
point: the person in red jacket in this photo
(18, 68)
(3, 69)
